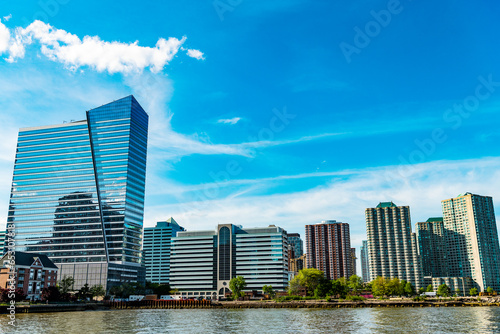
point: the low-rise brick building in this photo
(34, 272)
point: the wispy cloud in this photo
(114, 57)
(343, 196)
(231, 121)
(7, 18)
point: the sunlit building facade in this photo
(78, 193)
(202, 263)
(392, 247)
(472, 239)
(156, 250)
(328, 247)
(432, 247)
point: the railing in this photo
(157, 304)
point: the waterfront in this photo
(361, 320)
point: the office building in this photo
(392, 247)
(78, 194)
(156, 250)
(328, 248)
(296, 245)
(203, 262)
(472, 239)
(33, 273)
(432, 247)
(365, 271)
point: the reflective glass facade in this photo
(78, 188)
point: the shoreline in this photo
(313, 304)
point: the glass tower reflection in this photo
(78, 190)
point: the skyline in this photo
(263, 94)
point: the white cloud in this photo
(195, 54)
(4, 38)
(344, 196)
(8, 17)
(114, 57)
(231, 121)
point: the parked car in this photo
(166, 297)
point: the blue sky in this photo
(271, 112)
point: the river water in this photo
(359, 320)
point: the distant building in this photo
(34, 272)
(458, 285)
(392, 247)
(203, 262)
(365, 270)
(328, 247)
(432, 247)
(296, 244)
(298, 264)
(472, 239)
(353, 259)
(156, 250)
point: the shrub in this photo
(355, 298)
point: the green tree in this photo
(158, 289)
(489, 289)
(394, 287)
(116, 291)
(443, 290)
(5, 295)
(458, 292)
(308, 279)
(355, 283)
(97, 291)
(237, 284)
(473, 292)
(379, 286)
(323, 288)
(51, 294)
(66, 284)
(294, 286)
(409, 290)
(421, 290)
(84, 292)
(429, 288)
(268, 290)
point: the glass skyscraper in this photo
(365, 270)
(78, 193)
(296, 245)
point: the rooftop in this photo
(386, 205)
(435, 219)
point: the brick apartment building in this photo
(33, 273)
